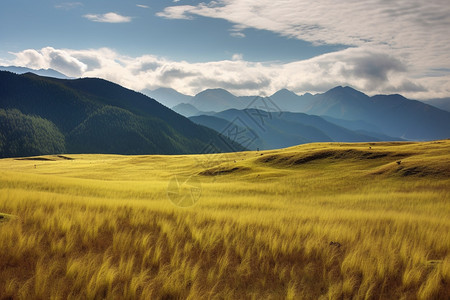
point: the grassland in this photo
(103, 226)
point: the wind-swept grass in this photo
(102, 226)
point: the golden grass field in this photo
(103, 226)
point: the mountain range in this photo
(43, 115)
(46, 115)
(384, 115)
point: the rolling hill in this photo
(95, 116)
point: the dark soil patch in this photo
(223, 171)
(65, 157)
(36, 158)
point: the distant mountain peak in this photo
(342, 88)
(216, 91)
(167, 96)
(345, 91)
(284, 93)
(215, 100)
(166, 89)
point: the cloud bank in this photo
(370, 71)
(410, 34)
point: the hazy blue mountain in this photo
(93, 116)
(353, 124)
(335, 132)
(216, 100)
(252, 137)
(273, 130)
(441, 103)
(219, 100)
(342, 103)
(410, 119)
(394, 115)
(245, 135)
(289, 101)
(167, 96)
(213, 122)
(259, 129)
(391, 116)
(189, 110)
(40, 72)
(186, 109)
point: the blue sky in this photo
(248, 47)
(37, 24)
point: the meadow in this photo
(316, 221)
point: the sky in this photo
(249, 47)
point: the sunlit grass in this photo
(102, 226)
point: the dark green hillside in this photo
(22, 135)
(97, 116)
(108, 93)
(105, 130)
(44, 97)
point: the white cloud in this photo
(64, 62)
(142, 6)
(60, 60)
(368, 70)
(110, 17)
(30, 58)
(176, 12)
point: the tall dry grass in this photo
(262, 231)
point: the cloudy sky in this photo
(248, 47)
